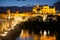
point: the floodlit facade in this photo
(44, 9)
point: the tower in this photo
(8, 13)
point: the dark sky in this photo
(26, 2)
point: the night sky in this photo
(26, 2)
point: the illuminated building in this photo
(9, 19)
(44, 9)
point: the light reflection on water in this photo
(38, 38)
(26, 36)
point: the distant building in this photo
(44, 9)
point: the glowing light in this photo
(41, 32)
(12, 28)
(21, 32)
(19, 19)
(48, 32)
(44, 17)
(48, 38)
(9, 29)
(9, 16)
(45, 33)
(4, 34)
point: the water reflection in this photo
(25, 35)
(44, 35)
